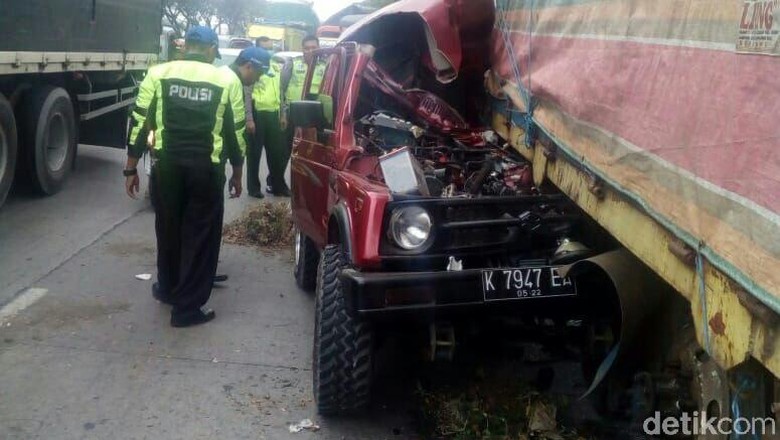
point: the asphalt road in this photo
(86, 353)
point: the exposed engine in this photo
(417, 161)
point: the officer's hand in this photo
(234, 186)
(132, 184)
(283, 123)
(250, 127)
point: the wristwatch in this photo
(130, 172)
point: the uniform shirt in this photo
(196, 110)
(294, 90)
(267, 95)
(247, 94)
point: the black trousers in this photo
(188, 202)
(277, 143)
(284, 155)
(254, 151)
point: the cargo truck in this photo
(633, 141)
(69, 71)
(659, 119)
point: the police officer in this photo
(293, 88)
(265, 43)
(249, 66)
(292, 79)
(197, 112)
(267, 99)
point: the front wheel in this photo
(343, 345)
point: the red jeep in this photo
(405, 205)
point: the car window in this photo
(240, 43)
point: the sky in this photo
(326, 8)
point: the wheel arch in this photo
(340, 228)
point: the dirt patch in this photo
(59, 313)
(123, 249)
(266, 225)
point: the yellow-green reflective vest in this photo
(300, 69)
(267, 95)
(188, 103)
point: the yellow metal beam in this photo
(737, 329)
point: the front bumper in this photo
(378, 292)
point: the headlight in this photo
(410, 227)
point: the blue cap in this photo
(259, 57)
(203, 35)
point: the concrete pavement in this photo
(38, 234)
(95, 358)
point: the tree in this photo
(236, 14)
(183, 14)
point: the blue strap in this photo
(745, 384)
(503, 6)
(531, 131)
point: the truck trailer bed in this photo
(128, 26)
(659, 118)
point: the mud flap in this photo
(638, 293)
(109, 130)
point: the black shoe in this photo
(189, 319)
(220, 278)
(159, 296)
(256, 194)
(283, 192)
(269, 189)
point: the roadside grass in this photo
(491, 404)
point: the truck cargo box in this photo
(132, 26)
(671, 107)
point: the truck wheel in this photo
(7, 148)
(343, 345)
(306, 260)
(49, 135)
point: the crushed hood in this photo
(437, 32)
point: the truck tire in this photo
(306, 261)
(343, 345)
(7, 148)
(49, 135)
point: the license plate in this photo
(525, 283)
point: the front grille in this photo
(488, 225)
(467, 238)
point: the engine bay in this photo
(441, 164)
(417, 144)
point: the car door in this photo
(313, 161)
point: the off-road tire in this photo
(307, 258)
(48, 131)
(343, 345)
(7, 148)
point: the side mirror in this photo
(307, 114)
